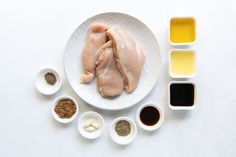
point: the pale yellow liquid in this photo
(182, 30)
(182, 63)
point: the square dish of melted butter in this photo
(182, 31)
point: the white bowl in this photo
(153, 127)
(42, 86)
(182, 75)
(182, 43)
(123, 140)
(90, 116)
(183, 107)
(64, 120)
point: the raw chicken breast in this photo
(129, 56)
(96, 38)
(110, 82)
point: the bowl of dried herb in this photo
(123, 130)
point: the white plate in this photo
(74, 68)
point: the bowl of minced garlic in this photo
(91, 125)
(65, 109)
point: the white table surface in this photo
(33, 34)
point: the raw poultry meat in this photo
(109, 80)
(116, 63)
(129, 56)
(96, 38)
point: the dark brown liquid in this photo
(149, 115)
(182, 94)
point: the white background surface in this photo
(33, 34)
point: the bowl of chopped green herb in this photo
(123, 130)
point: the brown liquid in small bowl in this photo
(149, 115)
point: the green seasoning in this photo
(50, 78)
(123, 128)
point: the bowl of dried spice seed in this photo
(65, 109)
(123, 130)
(48, 81)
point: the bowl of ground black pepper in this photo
(123, 130)
(48, 81)
(65, 109)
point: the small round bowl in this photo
(93, 117)
(64, 120)
(153, 127)
(43, 87)
(123, 140)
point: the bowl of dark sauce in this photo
(150, 116)
(182, 95)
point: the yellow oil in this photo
(182, 62)
(182, 30)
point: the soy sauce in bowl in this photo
(149, 115)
